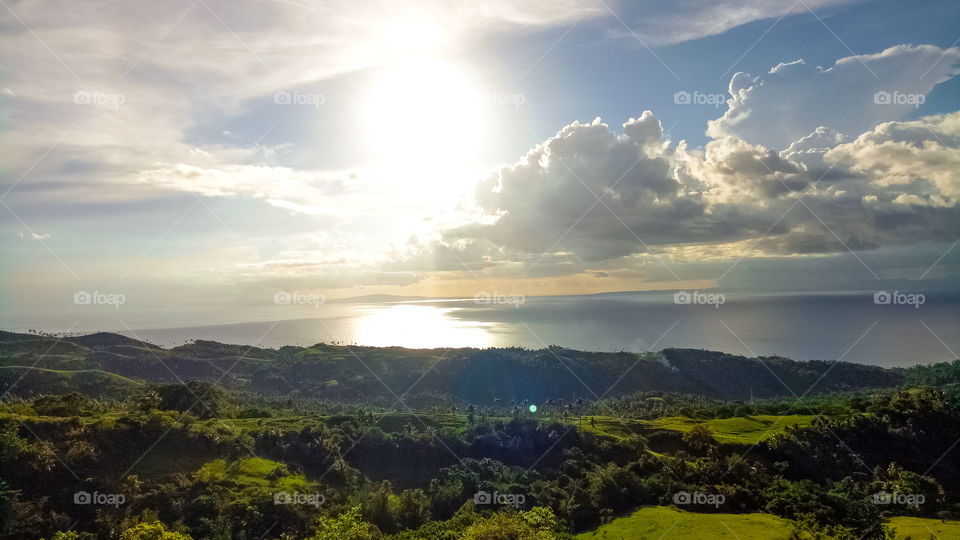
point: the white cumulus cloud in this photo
(793, 99)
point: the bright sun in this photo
(425, 119)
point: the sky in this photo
(201, 156)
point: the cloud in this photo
(793, 99)
(662, 204)
(913, 163)
(299, 191)
(666, 23)
(558, 183)
(809, 150)
(158, 96)
(123, 88)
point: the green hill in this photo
(28, 381)
(916, 528)
(737, 430)
(377, 375)
(663, 522)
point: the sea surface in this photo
(844, 325)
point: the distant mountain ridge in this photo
(383, 374)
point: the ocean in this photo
(851, 326)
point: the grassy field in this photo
(252, 477)
(922, 528)
(611, 427)
(390, 422)
(656, 522)
(93, 382)
(738, 430)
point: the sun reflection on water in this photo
(418, 326)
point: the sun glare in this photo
(418, 327)
(424, 119)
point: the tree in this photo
(539, 523)
(699, 438)
(409, 509)
(66, 405)
(200, 398)
(152, 531)
(346, 526)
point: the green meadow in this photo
(737, 430)
(664, 522)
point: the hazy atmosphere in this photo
(205, 155)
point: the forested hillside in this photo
(375, 375)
